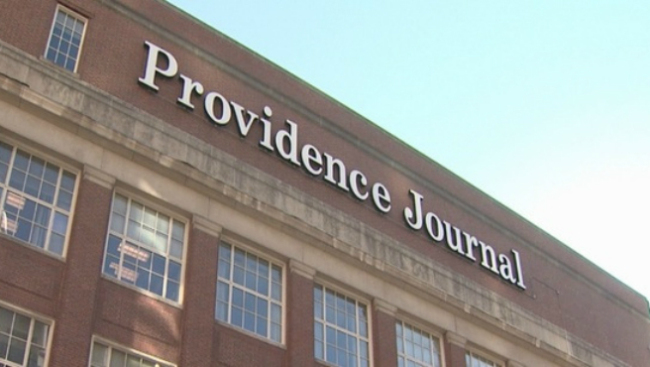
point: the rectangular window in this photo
(249, 292)
(23, 340)
(473, 360)
(340, 329)
(66, 38)
(36, 198)
(416, 348)
(105, 355)
(144, 248)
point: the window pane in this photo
(17, 349)
(21, 326)
(36, 357)
(132, 361)
(99, 355)
(118, 359)
(4, 345)
(5, 152)
(173, 289)
(65, 200)
(6, 320)
(39, 334)
(3, 172)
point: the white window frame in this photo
(230, 284)
(320, 317)
(434, 340)
(34, 317)
(10, 227)
(158, 362)
(71, 13)
(147, 204)
(485, 359)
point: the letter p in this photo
(151, 69)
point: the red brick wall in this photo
(29, 278)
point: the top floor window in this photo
(416, 348)
(341, 334)
(473, 360)
(36, 198)
(66, 38)
(249, 292)
(144, 248)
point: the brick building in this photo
(170, 198)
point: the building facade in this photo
(170, 198)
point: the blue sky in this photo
(543, 105)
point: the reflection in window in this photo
(66, 38)
(36, 199)
(249, 292)
(144, 248)
(340, 329)
(23, 340)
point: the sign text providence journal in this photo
(285, 142)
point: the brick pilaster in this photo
(200, 294)
(77, 300)
(455, 349)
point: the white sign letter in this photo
(151, 69)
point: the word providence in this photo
(220, 112)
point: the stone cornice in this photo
(303, 270)
(99, 177)
(207, 226)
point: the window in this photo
(23, 340)
(36, 199)
(249, 292)
(105, 355)
(66, 37)
(416, 348)
(144, 248)
(473, 360)
(340, 329)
